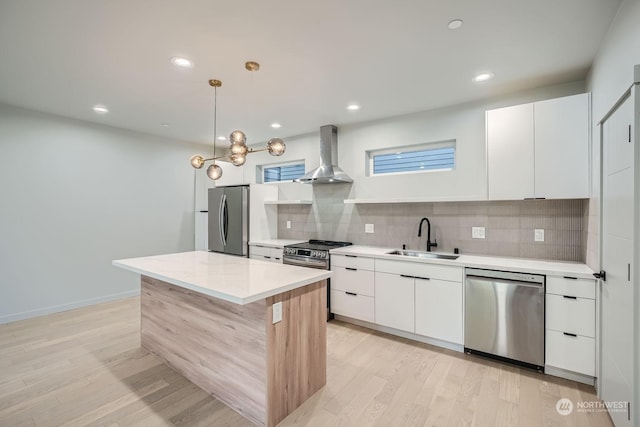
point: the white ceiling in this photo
(392, 57)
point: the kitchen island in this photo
(211, 318)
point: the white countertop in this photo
(230, 278)
(524, 265)
(274, 243)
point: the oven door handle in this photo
(304, 262)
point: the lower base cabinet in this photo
(438, 310)
(571, 352)
(394, 301)
(356, 306)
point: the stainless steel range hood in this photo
(328, 172)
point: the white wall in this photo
(610, 76)
(76, 196)
(464, 123)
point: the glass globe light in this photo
(197, 161)
(214, 171)
(238, 159)
(237, 136)
(238, 148)
(276, 146)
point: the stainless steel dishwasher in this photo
(504, 316)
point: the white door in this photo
(616, 375)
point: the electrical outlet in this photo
(477, 232)
(368, 228)
(277, 312)
(288, 224)
(538, 235)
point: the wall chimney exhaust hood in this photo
(328, 172)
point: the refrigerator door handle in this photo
(225, 219)
(221, 219)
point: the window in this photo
(416, 158)
(283, 172)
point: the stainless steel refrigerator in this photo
(229, 220)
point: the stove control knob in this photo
(314, 254)
(323, 254)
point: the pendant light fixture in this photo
(238, 148)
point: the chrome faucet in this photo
(429, 244)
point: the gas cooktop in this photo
(319, 245)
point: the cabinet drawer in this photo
(352, 261)
(582, 288)
(431, 271)
(260, 251)
(577, 316)
(353, 280)
(576, 354)
(276, 254)
(355, 306)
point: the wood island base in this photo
(262, 370)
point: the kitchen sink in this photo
(420, 254)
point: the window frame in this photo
(370, 154)
(260, 170)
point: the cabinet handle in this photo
(351, 293)
(629, 133)
(351, 256)
(569, 297)
(408, 277)
(422, 278)
(570, 335)
(267, 257)
(351, 269)
(628, 272)
(204, 211)
(569, 277)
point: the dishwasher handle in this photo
(514, 282)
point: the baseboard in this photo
(403, 334)
(65, 307)
(573, 376)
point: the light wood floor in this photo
(86, 367)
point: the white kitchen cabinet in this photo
(395, 301)
(561, 132)
(439, 311)
(571, 352)
(510, 153)
(570, 325)
(352, 305)
(265, 253)
(352, 287)
(349, 279)
(539, 150)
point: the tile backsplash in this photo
(509, 225)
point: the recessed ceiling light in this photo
(222, 138)
(275, 125)
(166, 125)
(353, 107)
(100, 109)
(181, 62)
(454, 24)
(483, 77)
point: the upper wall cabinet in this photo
(539, 150)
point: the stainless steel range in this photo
(313, 254)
